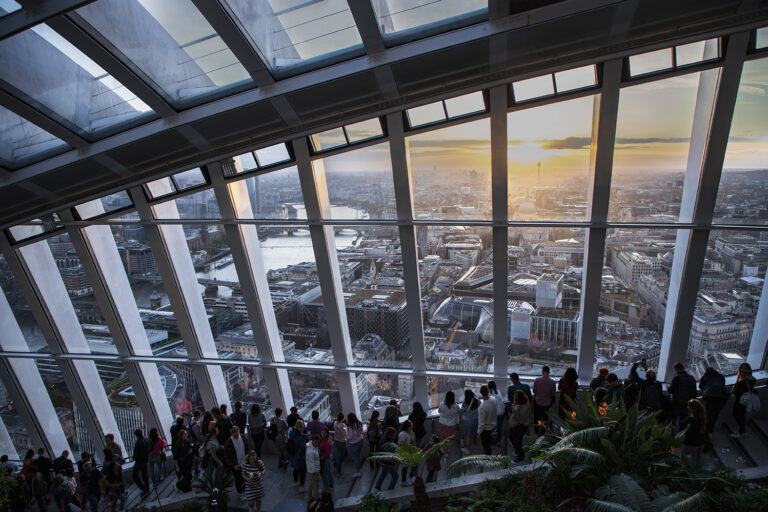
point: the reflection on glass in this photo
(363, 130)
(375, 390)
(110, 203)
(451, 170)
(576, 78)
(652, 139)
(437, 387)
(272, 155)
(466, 104)
(693, 52)
(122, 400)
(650, 62)
(65, 82)
(458, 330)
(360, 184)
(633, 297)
(180, 387)
(21, 310)
(289, 33)
(429, 15)
(548, 151)
(274, 195)
(425, 114)
(246, 384)
(67, 412)
(188, 59)
(727, 302)
(315, 391)
(189, 179)
(533, 88)
(200, 205)
(741, 195)
(17, 430)
(23, 143)
(329, 139)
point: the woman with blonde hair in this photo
(253, 471)
(745, 383)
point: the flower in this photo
(602, 409)
(573, 415)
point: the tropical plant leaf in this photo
(583, 455)
(473, 463)
(697, 502)
(581, 437)
(385, 458)
(606, 506)
(629, 492)
(442, 445)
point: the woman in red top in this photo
(326, 448)
(568, 386)
(156, 456)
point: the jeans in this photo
(516, 435)
(117, 496)
(257, 440)
(404, 471)
(499, 428)
(140, 475)
(387, 469)
(714, 405)
(156, 472)
(740, 415)
(93, 501)
(485, 439)
(299, 476)
(326, 474)
(313, 489)
(339, 454)
(355, 450)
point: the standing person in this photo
(293, 417)
(486, 416)
(234, 455)
(315, 425)
(406, 436)
(516, 384)
(312, 456)
(615, 389)
(568, 386)
(212, 449)
(520, 420)
(238, 417)
(326, 449)
(195, 438)
(63, 463)
(177, 427)
(682, 388)
(696, 433)
(252, 472)
(206, 424)
(114, 488)
(417, 417)
(156, 456)
(355, 441)
(140, 461)
(183, 456)
(392, 415)
(90, 482)
(448, 423)
(387, 444)
(543, 397)
(257, 426)
(500, 410)
(373, 433)
(44, 466)
(599, 380)
(433, 462)
(745, 383)
(117, 450)
(469, 411)
(281, 437)
(298, 458)
(714, 395)
(651, 395)
(223, 424)
(339, 443)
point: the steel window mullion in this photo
(367, 26)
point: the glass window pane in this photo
(727, 302)
(200, 205)
(122, 400)
(761, 40)
(439, 386)
(533, 88)
(8, 6)
(65, 82)
(274, 195)
(396, 16)
(451, 170)
(652, 139)
(110, 203)
(363, 130)
(189, 179)
(458, 331)
(329, 139)
(650, 62)
(180, 387)
(246, 384)
(633, 297)
(69, 416)
(23, 142)
(463, 105)
(189, 60)
(17, 430)
(21, 310)
(576, 78)
(694, 52)
(744, 181)
(426, 114)
(315, 391)
(160, 187)
(272, 155)
(245, 162)
(26, 231)
(375, 390)
(548, 151)
(360, 184)
(290, 33)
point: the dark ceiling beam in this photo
(36, 13)
(367, 26)
(39, 119)
(235, 37)
(67, 27)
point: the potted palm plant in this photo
(216, 487)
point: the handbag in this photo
(750, 400)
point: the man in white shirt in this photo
(494, 392)
(312, 458)
(486, 419)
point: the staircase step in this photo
(730, 453)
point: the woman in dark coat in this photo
(568, 386)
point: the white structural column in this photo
(759, 343)
(26, 388)
(715, 103)
(235, 203)
(39, 279)
(98, 254)
(604, 116)
(315, 191)
(499, 198)
(403, 183)
(174, 263)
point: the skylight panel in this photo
(67, 84)
(291, 33)
(8, 6)
(577, 78)
(27, 231)
(650, 62)
(465, 105)
(244, 163)
(426, 114)
(161, 187)
(427, 16)
(189, 179)
(188, 60)
(696, 52)
(531, 88)
(329, 139)
(22, 142)
(761, 39)
(363, 130)
(110, 203)
(272, 155)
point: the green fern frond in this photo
(581, 437)
(477, 462)
(697, 501)
(606, 506)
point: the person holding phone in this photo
(252, 471)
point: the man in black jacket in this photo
(714, 395)
(140, 459)
(222, 424)
(238, 417)
(682, 388)
(235, 450)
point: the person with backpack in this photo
(745, 383)
(713, 394)
(257, 426)
(682, 388)
(373, 433)
(392, 416)
(278, 432)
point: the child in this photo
(433, 462)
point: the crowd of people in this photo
(214, 441)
